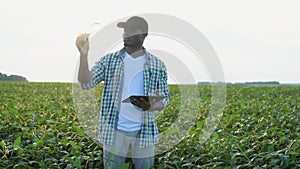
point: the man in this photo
(130, 71)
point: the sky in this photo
(254, 40)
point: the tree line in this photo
(4, 77)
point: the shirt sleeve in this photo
(163, 85)
(97, 75)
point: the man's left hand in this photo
(146, 105)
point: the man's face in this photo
(133, 37)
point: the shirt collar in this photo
(121, 53)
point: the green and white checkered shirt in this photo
(110, 70)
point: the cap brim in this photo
(125, 25)
(122, 24)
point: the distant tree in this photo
(4, 77)
(268, 83)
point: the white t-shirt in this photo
(130, 116)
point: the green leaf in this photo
(69, 166)
(17, 142)
(39, 142)
(191, 131)
(77, 162)
(200, 124)
(80, 132)
(123, 166)
(73, 144)
(33, 162)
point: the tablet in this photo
(148, 98)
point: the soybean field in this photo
(259, 128)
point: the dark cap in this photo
(135, 22)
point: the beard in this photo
(133, 41)
(133, 44)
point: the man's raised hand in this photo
(82, 43)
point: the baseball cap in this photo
(135, 22)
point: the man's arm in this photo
(82, 43)
(88, 79)
(84, 75)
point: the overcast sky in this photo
(255, 40)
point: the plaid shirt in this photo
(110, 70)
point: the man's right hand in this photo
(82, 43)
